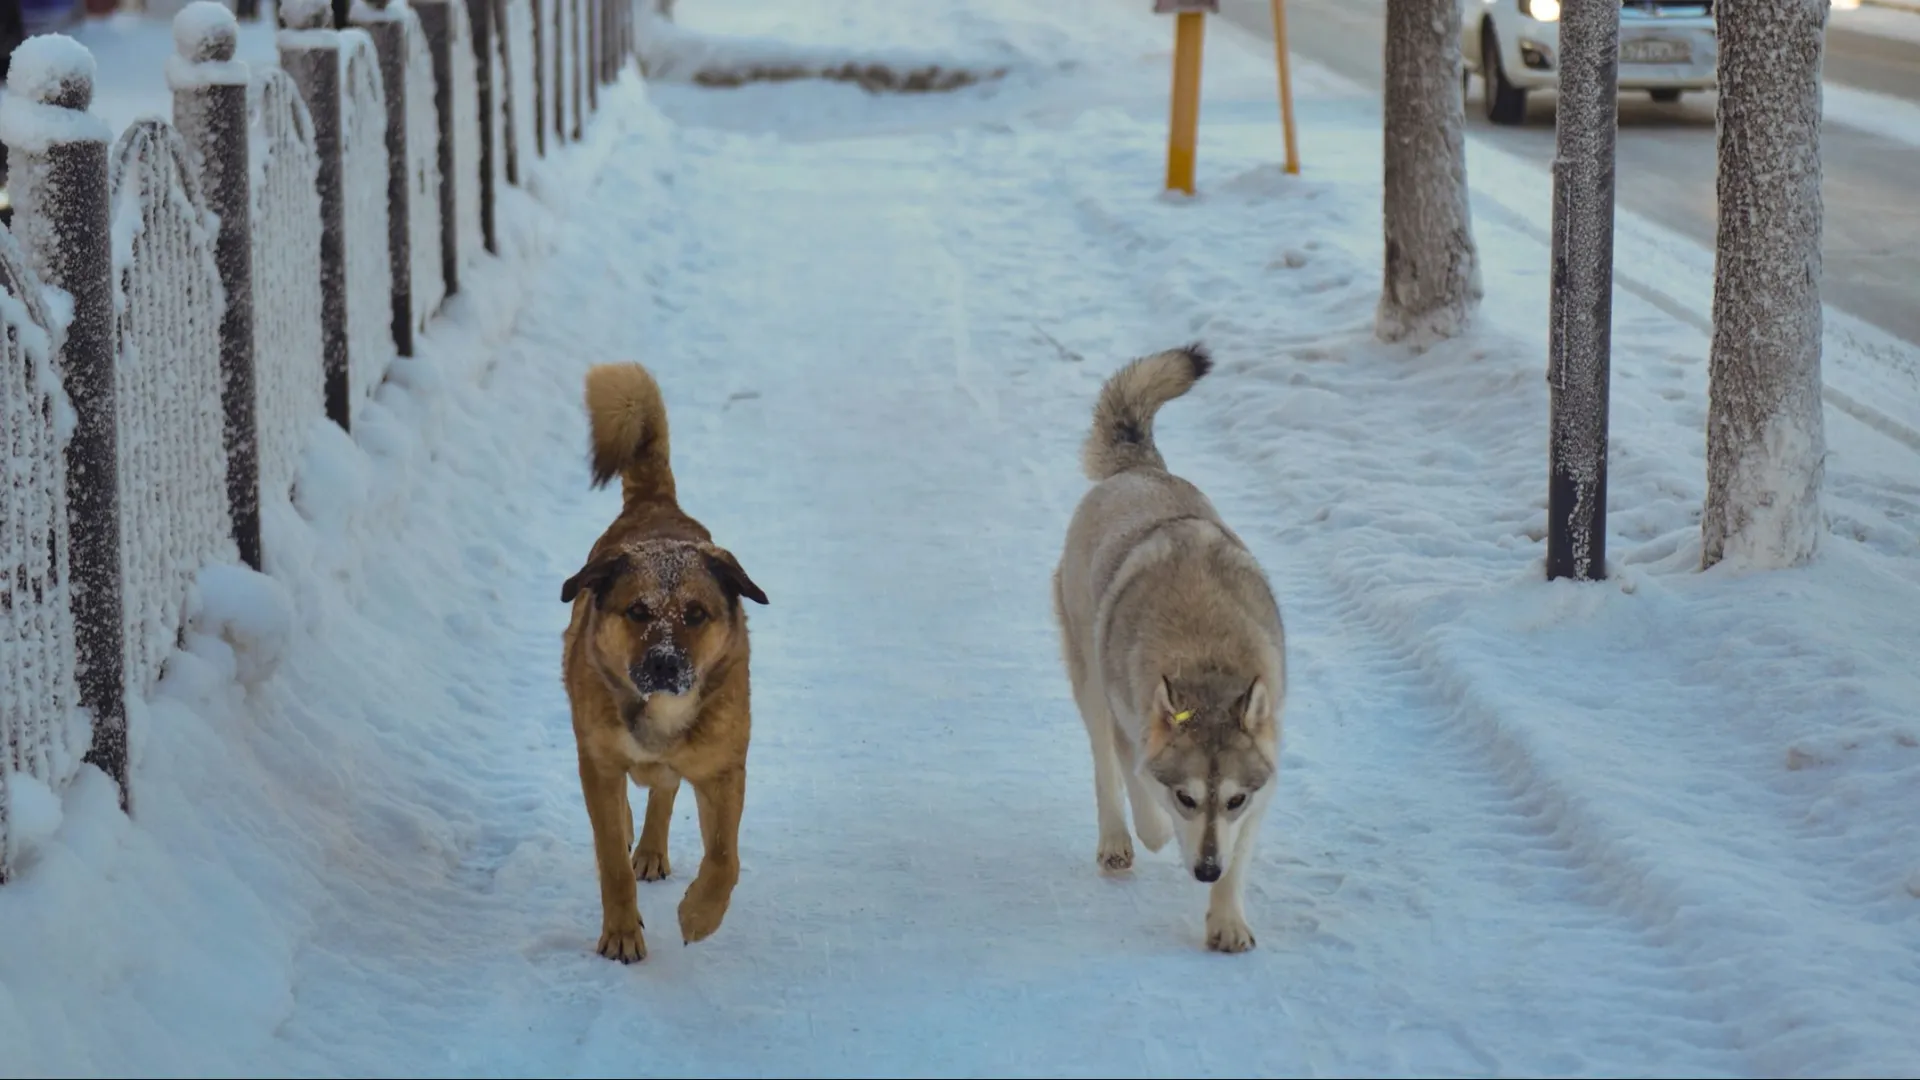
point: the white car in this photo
(1667, 47)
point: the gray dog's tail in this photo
(1122, 436)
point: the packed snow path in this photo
(865, 414)
(1659, 826)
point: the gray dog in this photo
(1173, 642)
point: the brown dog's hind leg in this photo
(721, 798)
(650, 858)
(612, 820)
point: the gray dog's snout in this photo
(1207, 871)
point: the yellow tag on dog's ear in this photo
(1182, 716)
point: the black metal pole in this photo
(211, 114)
(1580, 314)
(62, 193)
(313, 62)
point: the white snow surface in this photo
(1662, 825)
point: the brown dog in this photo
(655, 665)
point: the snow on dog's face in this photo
(1210, 753)
(665, 614)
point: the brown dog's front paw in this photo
(625, 944)
(650, 865)
(702, 909)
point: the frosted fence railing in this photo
(289, 360)
(174, 514)
(363, 150)
(42, 733)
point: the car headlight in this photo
(1541, 10)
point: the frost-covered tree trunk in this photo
(1432, 279)
(1766, 437)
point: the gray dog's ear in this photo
(596, 577)
(726, 569)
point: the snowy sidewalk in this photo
(1662, 826)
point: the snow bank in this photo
(669, 52)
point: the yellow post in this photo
(1189, 29)
(1286, 83)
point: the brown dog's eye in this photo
(638, 612)
(696, 614)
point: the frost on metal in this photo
(289, 358)
(173, 461)
(363, 152)
(1766, 436)
(423, 173)
(555, 33)
(466, 136)
(42, 733)
(1580, 316)
(1432, 271)
(516, 44)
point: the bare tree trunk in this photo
(1766, 435)
(1432, 279)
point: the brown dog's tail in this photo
(628, 420)
(1122, 436)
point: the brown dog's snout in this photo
(662, 671)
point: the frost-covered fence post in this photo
(57, 173)
(557, 76)
(310, 52)
(436, 18)
(1766, 435)
(210, 109)
(589, 52)
(576, 66)
(1432, 270)
(539, 80)
(1580, 304)
(387, 26)
(483, 27)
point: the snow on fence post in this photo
(518, 88)
(487, 90)
(210, 109)
(540, 65)
(310, 52)
(575, 66)
(387, 27)
(1580, 303)
(41, 732)
(57, 174)
(557, 76)
(436, 19)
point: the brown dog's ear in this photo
(726, 569)
(595, 577)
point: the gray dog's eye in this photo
(638, 612)
(1186, 800)
(1236, 802)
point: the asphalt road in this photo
(1666, 152)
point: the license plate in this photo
(1654, 51)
